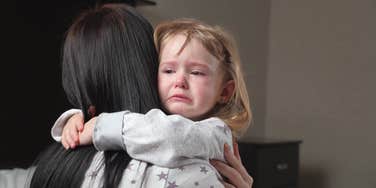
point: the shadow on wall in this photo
(312, 177)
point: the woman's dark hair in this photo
(110, 62)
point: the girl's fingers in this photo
(73, 133)
(80, 127)
(64, 140)
(66, 146)
(79, 122)
(67, 141)
(70, 139)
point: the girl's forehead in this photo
(205, 42)
(178, 44)
(177, 40)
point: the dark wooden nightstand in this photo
(271, 163)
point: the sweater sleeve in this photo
(165, 140)
(57, 128)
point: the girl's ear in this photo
(227, 91)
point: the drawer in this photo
(278, 165)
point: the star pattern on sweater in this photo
(93, 174)
(172, 185)
(162, 175)
(203, 169)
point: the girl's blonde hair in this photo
(236, 112)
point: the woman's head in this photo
(231, 103)
(110, 62)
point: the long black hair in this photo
(110, 62)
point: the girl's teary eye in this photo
(198, 73)
(168, 71)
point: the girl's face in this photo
(190, 83)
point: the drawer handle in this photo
(282, 166)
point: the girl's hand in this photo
(86, 136)
(74, 125)
(234, 171)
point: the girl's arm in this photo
(57, 128)
(164, 140)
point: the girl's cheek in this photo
(207, 80)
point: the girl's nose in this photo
(181, 81)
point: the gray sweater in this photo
(178, 148)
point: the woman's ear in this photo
(227, 91)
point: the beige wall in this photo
(321, 88)
(310, 68)
(247, 21)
